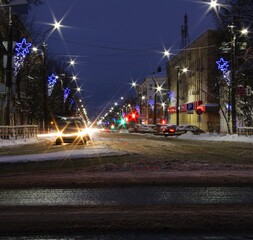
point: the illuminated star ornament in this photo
(137, 107)
(22, 49)
(51, 81)
(66, 93)
(223, 66)
(151, 103)
(170, 94)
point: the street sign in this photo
(190, 107)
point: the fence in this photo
(18, 132)
(245, 131)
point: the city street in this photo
(189, 186)
(126, 120)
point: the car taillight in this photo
(172, 130)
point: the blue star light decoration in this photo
(51, 81)
(66, 94)
(71, 102)
(151, 103)
(22, 50)
(137, 107)
(170, 94)
(224, 66)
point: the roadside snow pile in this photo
(95, 151)
(217, 137)
(14, 142)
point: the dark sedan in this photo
(174, 130)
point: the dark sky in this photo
(116, 42)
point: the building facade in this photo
(152, 98)
(193, 91)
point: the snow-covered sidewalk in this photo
(218, 137)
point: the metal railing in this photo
(18, 132)
(245, 131)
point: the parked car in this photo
(170, 130)
(190, 128)
(158, 129)
(142, 128)
(71, 130)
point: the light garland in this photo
(22, 50)
(223, 66)
(66, 93)
(51, 81)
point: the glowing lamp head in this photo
(213, 3)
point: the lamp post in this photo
(214, 5)
(9, 71)
(179, 71)
(233, 85)
(56, 25)
(155, 101)
(177, 100)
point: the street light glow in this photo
(244, 31)
(57, 25)
(214, 4)
(134, 84)
(166, 53)
(185, 70)
(159, 88)
(72, 62)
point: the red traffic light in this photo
(199, 110)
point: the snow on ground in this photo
(102, 150)
(218, 137)
(89, 151)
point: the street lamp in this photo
(214, 4)
(179, 71)
(57, 26)
(233, 81)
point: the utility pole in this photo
(177, 101)
(9, 70)
(233, 83)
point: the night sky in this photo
(115, 42)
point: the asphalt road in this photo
(148, 161)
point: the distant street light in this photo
(56, 25)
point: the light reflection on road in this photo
(126, 196)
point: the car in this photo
(71, 130)
(142, 128)
(170, 130)
(174, 130)
(158, 129)
(190, 128)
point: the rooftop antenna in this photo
(184, 32)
